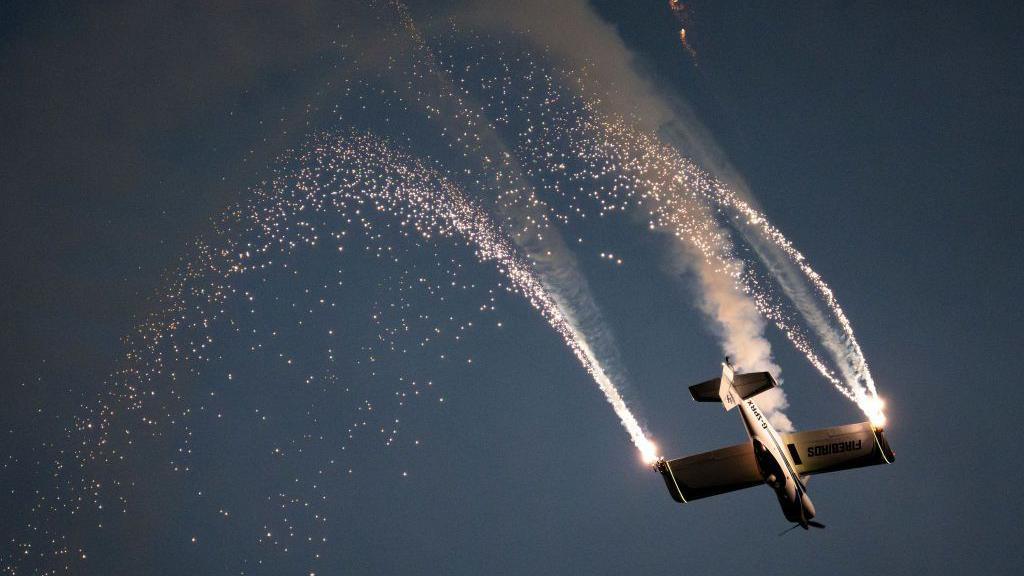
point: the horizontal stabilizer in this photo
(838, 448)
(706, 391)
(710, 473)
(746, 385)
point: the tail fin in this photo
(731, 387)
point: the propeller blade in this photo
(788, 530)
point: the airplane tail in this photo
(731, 387)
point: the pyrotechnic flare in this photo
(682, 13)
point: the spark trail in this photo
(571, 150)
(525, 220)
(436, 195)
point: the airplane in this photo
(782, 461)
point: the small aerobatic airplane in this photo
(782, 461)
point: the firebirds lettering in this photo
(833, 448)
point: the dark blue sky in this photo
(885, 142)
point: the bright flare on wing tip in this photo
(873, 407)
(648, 451)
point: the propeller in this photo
(788, 530)
(798, 525)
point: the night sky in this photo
(236, 340)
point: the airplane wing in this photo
(838, 448)
(716, 472)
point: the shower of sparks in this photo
(532, 157)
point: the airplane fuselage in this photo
(782, 461)
(776, 466)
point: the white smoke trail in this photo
(781, 257)
(473, 223)
(742, 330)
(777, 253)
(735, 314)
(579, 319)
